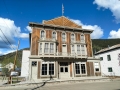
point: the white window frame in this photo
(41, 44)
(72, 37)
(41, 34)
(73, 49)
(83, 49)
(63, 39)
(48, 63)
(51, 48)
(46, 48)
(78, 50)
(54, 36)
(82, 37)
(80, 63)
(96, 66)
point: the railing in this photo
(81, 41)
(47, 39)
(63, 54)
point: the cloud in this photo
(28, 28)
(97, 33)
(11, 31)
(114, 34)
(112, 5)
(6, 51)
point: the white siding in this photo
(114, 63)
(25, 63)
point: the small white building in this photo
(25, 63)
(110, 60)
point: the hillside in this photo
(5, 59)
(97, 44)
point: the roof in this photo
(62, 21)
(58, 23)
(108, 49)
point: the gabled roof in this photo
(62, 21)
(108, 49)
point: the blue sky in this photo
(103, 16)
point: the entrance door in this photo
(64, 50)
(64, 70)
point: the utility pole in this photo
(10, 77)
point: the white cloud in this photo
(11, 31)
(3, 52)
(28, 28)
(114, 34)
(112, 5)
(97, 33)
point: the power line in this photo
(6, 39)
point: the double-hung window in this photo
(54, 35)
(40, 47)
(51, 47)
(63, 37)
(73, 49)
(72, 37)
(82, 38)
(46, 49)
(78, 49)
(83, 49)
(42, 34)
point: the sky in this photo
(103, 16)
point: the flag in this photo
(62, 9)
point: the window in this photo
(96, 65)
(108, 57)
(78, 49)
(101, 58)
(72, 37)
(54, 35)
(110, 69)
(77, 68)
(63, 37)
(83, 49)
(83, 71)
(73, 49)
(44, 69)
(48, 68)
(34, 63)
(80, 68)
(40, 47)
(51, 69)
(46, 48)
(42, 34)
(51, 47)
(82, 38)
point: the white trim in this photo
(65, 36)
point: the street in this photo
(107, 85)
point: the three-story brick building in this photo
(61, 49)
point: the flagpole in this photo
(63, 13)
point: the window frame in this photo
(82, 37)
(80, 68)
(96, 66)
(101, 58)
(63, 39)
(72, 37)
(78, 49)
(48, 68)
(41, 34)
(109, 69)
(109, 57)
(35, 62)
(55, 35)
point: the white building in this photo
(110, 60)
(10, 66)
(25, 63)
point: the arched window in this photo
(82, 37)
(42, 34)
(63, 37)
(54, 35)
(72, 37)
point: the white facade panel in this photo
(113, 63)
(25, 63)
